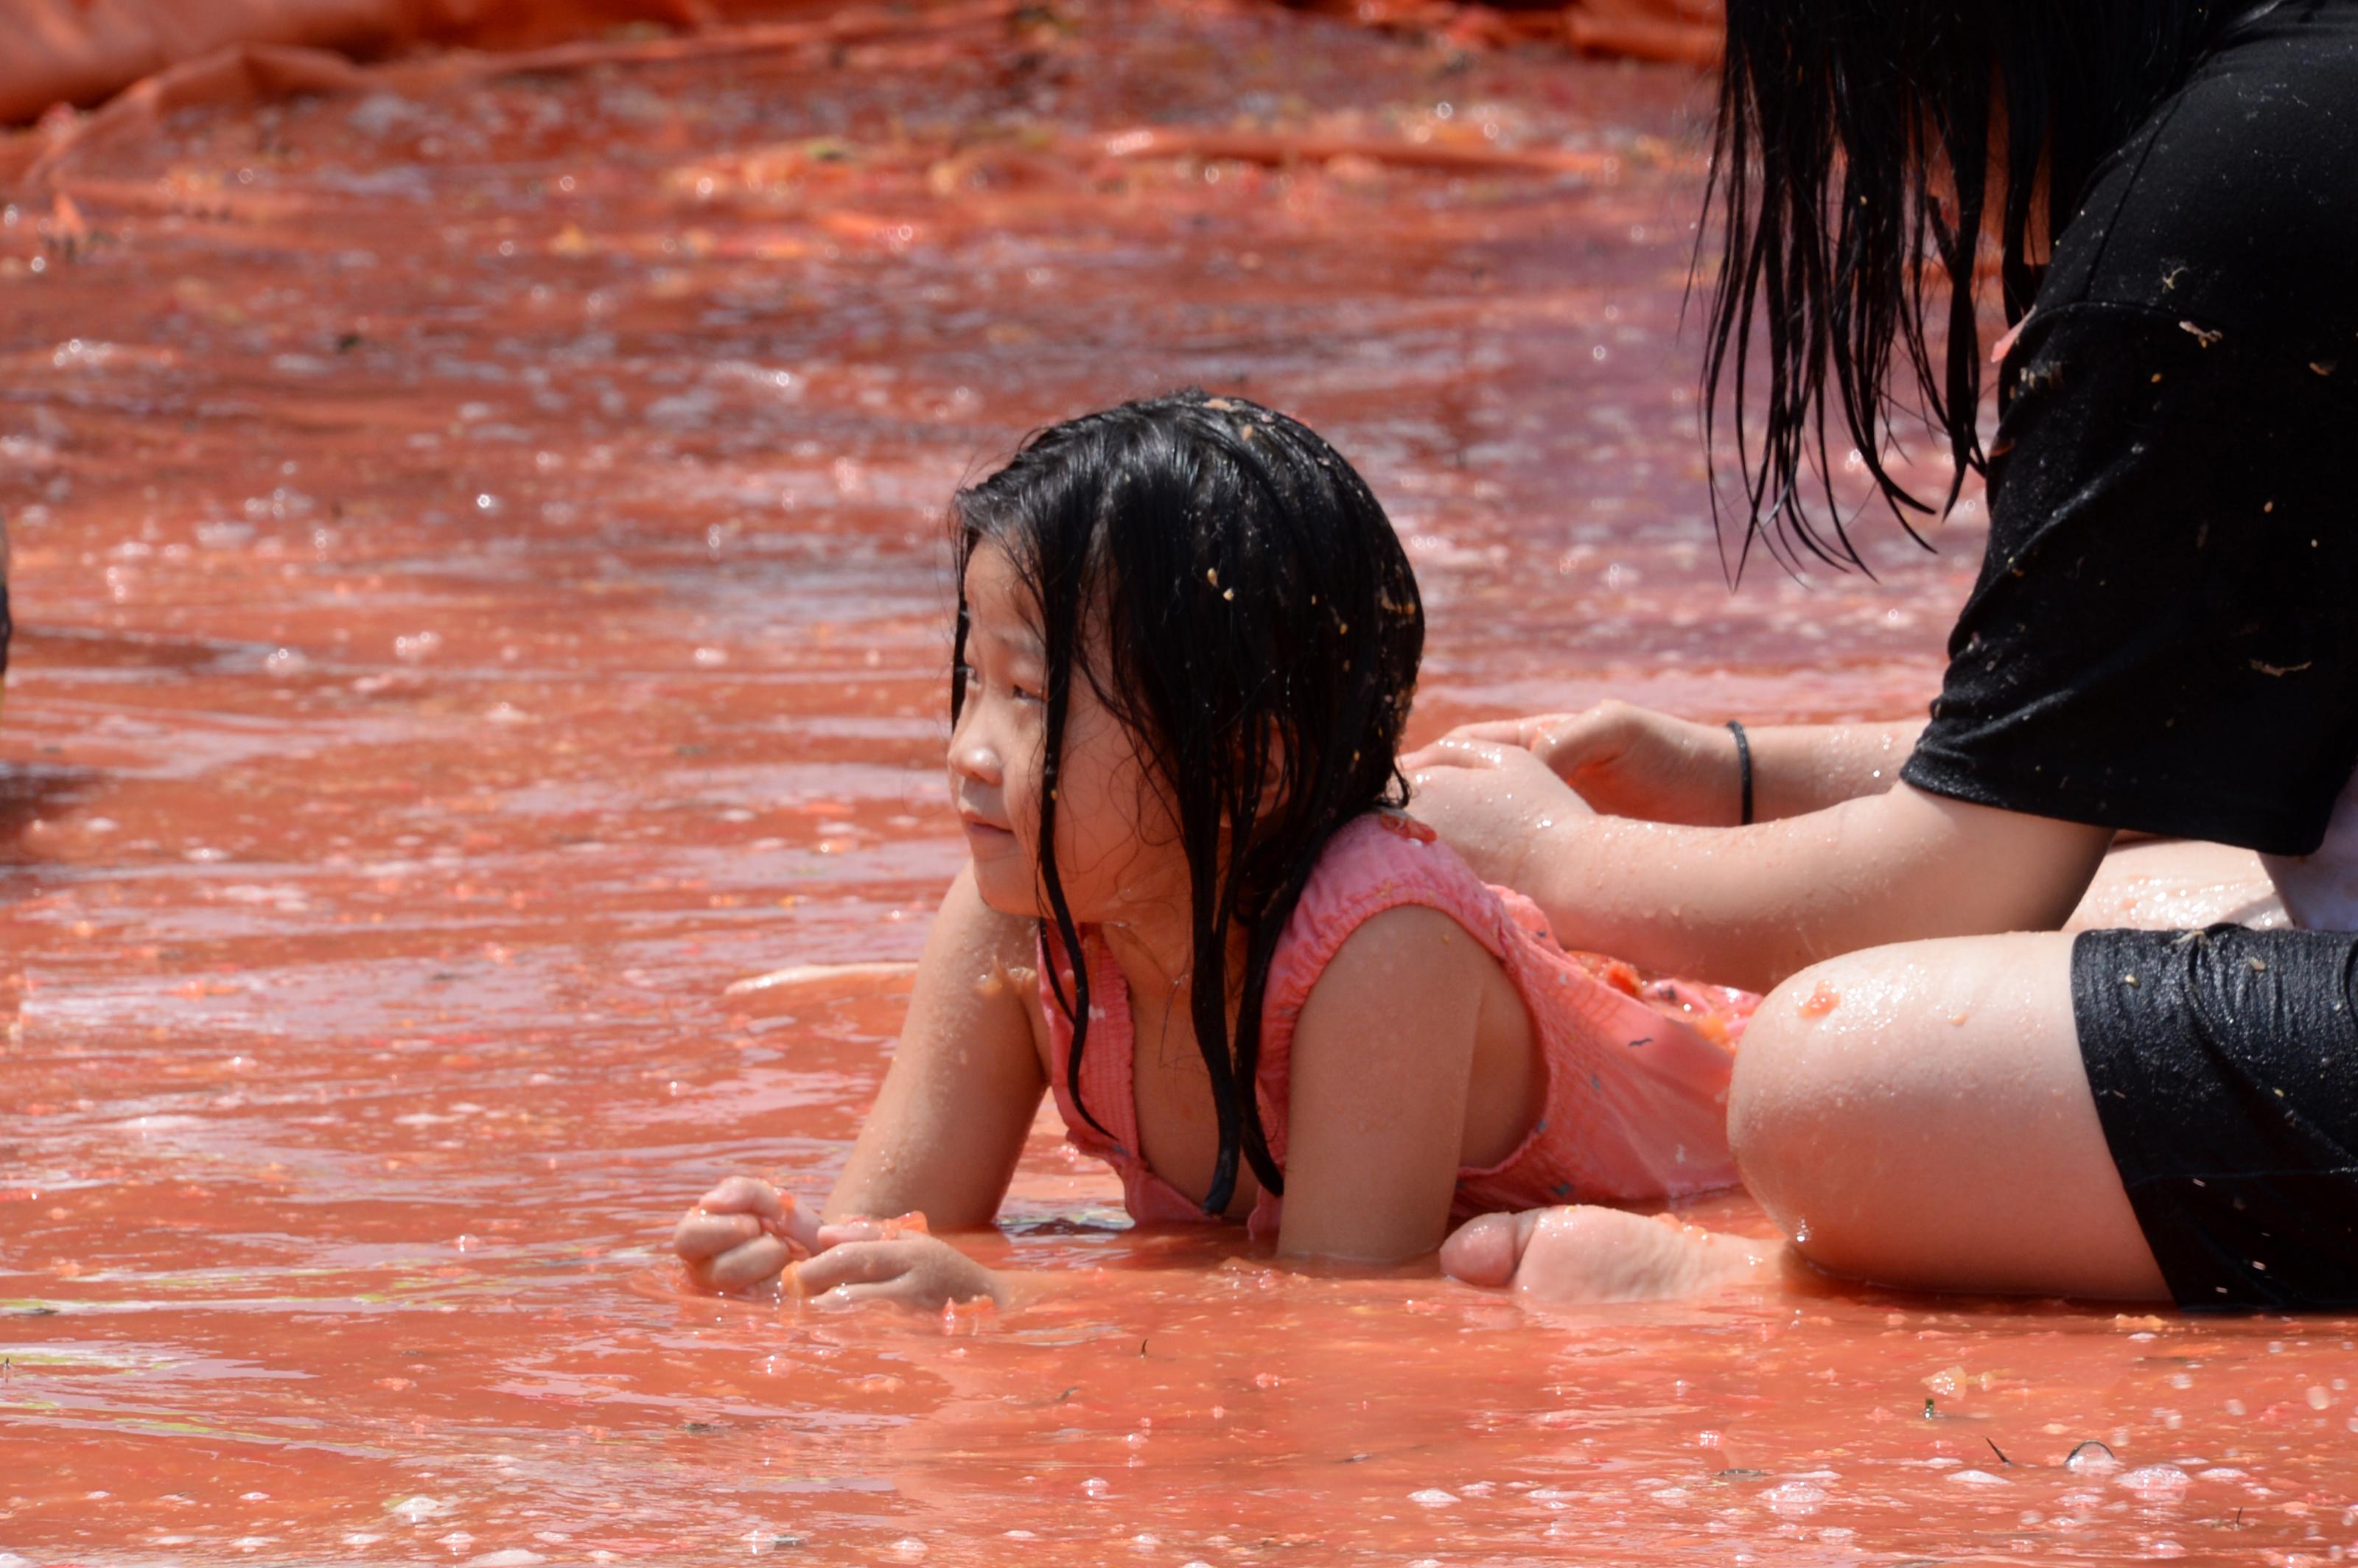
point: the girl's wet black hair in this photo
(1855, 143)
(1234, 594)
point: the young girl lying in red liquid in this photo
(1186, 643)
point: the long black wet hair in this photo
(1232, 591)
(1851, 176)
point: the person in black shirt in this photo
(2163, 640)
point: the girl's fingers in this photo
(748, 1264)
(703, 1234)
(1454, 751)
(852, 1263)
(844, 1230)
(1527, 734)
(797, 1226)
(842, 1298)
(1573, 737)
(870, 1227)
(744, 1194)
(777, 1212)
(1524, 732)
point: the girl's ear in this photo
(1272, 778)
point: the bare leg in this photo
(1918, 1115)
(2167, 885)
(1914, 1115)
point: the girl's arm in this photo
(942, 1137)
(965, 1083)
(1800, 768)
(1382, 1058)
(1748, 907)
(1375, 1121)
(1634, 762)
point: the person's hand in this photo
(889, 1260)
(742, 1233)
(1624, 761)
(1493, 803)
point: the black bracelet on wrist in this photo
(1743, 769)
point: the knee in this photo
(1813, 1106)
(1791, 1065)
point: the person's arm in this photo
(1748, 907)
(966, 1080)
(942, 1140)
(1800, 768)
(1382, 1056)
(1380, 1070)
(1627, 761)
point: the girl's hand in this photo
(1624, 761)
(742, 1233)
(1493, 803)
(881, 1261)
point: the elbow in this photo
(1991, 870)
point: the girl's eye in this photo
(1022, 693)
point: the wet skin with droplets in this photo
(482, 585)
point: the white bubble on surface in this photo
(1794, 1500)
(2154, 1483)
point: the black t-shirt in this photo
(2163, 635)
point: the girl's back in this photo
(1580, 1089)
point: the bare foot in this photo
(1587, 1254)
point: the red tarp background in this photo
(84, 51)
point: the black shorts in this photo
(2225, 1069)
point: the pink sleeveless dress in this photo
(1636, 1102)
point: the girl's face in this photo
(1117, 853)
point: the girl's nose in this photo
(973, 756)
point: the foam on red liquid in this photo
(483, 594)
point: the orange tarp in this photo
(1682, 31)
(84, 51)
